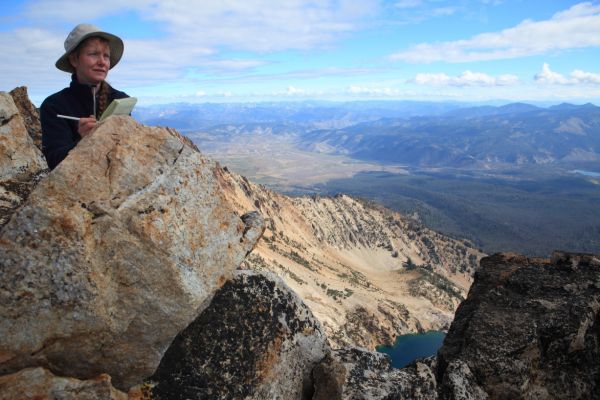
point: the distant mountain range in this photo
(419, 134)
(480, 137)
(304, 115)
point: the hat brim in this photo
(115, 44)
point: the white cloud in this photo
(585, 77)
(76, 11)
(467, 78)
(260, 25)
(443, 11)
(200, 93)
(30, 54)
(407, 3)
(188, 35)
(292, 91)
(431, 79)
(255, 25)
(373, 91)
(417, 11)
(550, 77)
(577, 27)
(577, 77)
(235, 64)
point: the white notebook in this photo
(119, 107)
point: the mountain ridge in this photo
(368, 274)
(497, 139)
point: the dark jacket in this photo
(60, 135)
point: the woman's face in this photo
(91, 61)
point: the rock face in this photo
(529, 329)
(114, 253)
(21, 163)
(40, 384)
(256, 340)
(29, 113)
(17, 155)
(355, 373)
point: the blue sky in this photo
(257, 50)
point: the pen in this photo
(67, 117)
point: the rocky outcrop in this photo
(529, 329)
(22, 164)
(40, 384)
(29, 113)
(355, 373)
(18, 156)
(114, 253)
(256, 340)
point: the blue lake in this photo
(410, 347)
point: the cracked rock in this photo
(114, 253)
(256, 340)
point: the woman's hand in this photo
(86, 125)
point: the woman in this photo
(89, 54)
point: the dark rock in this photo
(22, 164)
(14, 192)
(356, 373)
(529, 329)
(255, 227)
(256, 340)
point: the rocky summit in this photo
(119, 279)
(114, 253)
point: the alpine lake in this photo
(408, 348)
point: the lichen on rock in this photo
(21, 162)
(357, 373)
(530, 328)
(256, 340)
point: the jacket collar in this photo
(80, 88)
(83, 92)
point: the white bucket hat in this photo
(82, 32)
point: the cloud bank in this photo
(577, 77)
(577, 27)
(467, 78)
(187, 34)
